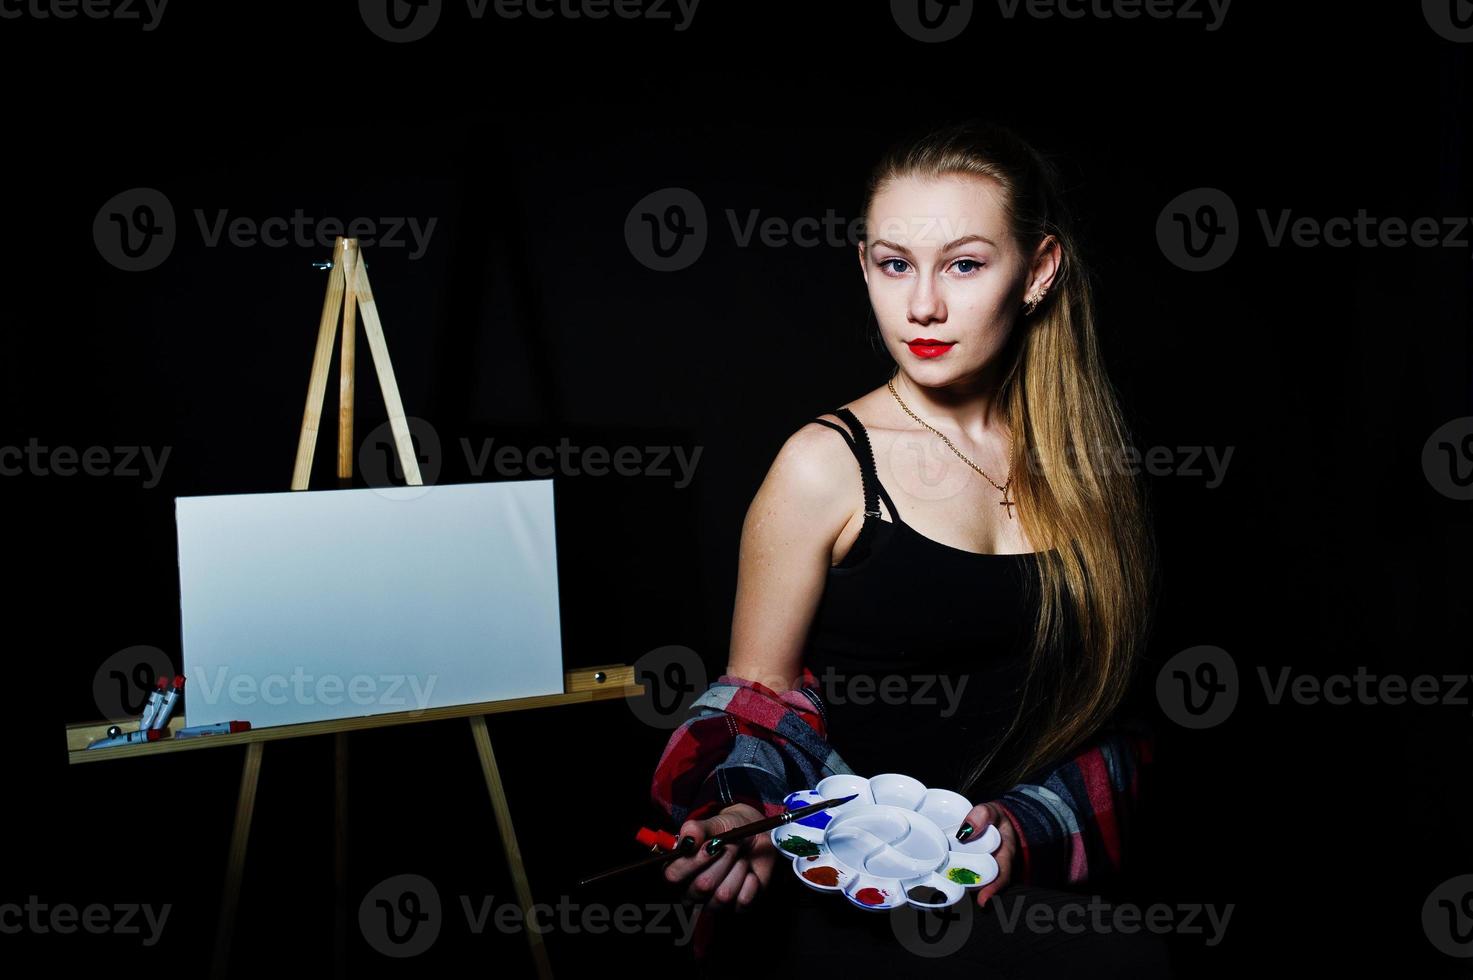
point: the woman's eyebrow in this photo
(945, 248)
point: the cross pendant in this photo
(1009, 504)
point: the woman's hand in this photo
(979, 818)
(737, 874)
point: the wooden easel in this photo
(348, 288)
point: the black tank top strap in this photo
(859, 445)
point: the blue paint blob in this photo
(807, 797)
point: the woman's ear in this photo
(1046, 261)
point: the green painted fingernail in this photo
(963, 831)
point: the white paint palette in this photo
(894, 844)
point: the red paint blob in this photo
(870, 896)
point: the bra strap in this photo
(867, 463)
(871, 499)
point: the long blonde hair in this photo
(1084, 513)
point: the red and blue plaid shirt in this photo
(745, 743)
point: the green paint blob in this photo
(964, 876)
(801, 846)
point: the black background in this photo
(528, 319)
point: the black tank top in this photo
(920, 648)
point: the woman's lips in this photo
(929, 347)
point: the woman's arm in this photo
(1073, 822)
(733, 751)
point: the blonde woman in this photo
(945, 577)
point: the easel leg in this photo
(340, 871)
(235, 864)
(509, 842)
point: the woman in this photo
(953, 586)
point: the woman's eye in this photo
(966, 267)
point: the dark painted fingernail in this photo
(964, 831)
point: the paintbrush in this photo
(714, 845)
(687, 845)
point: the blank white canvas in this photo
(320, 604)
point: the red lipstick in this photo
(929, 347)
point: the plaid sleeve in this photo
(744, 743)
(1073, 823)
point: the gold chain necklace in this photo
(1002, 487)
